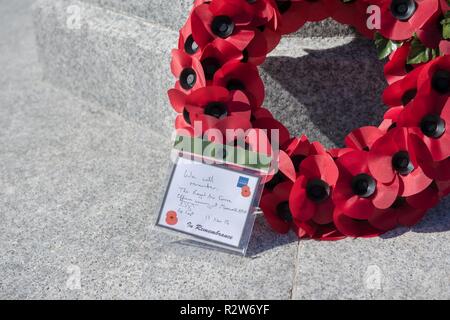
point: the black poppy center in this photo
(283, 5)
(283, 211)
(403, 9)
(188, 78)
(408, 96)
(398, 203)
(363, 185)
(245, 55)
(433, 126)
(216, 109)
(402, 163)
(190, 46)
(441, 81)
(186, 116)
(210, 66)
(235, 84)
(297, 160)
(317, 190)
(276, 179)
(222, 26)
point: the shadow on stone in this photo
(337, 89)
(264, 238)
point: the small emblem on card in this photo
(171, 218)
(243, 181)
(246, 192)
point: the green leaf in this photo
(385, 46)
(419, 53)
(446, 25)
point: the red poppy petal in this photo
(363, 138)
(177, 99)
(386, 194)
(324, 212)
(268, 206)
(274, 129)
(358, 208)
(354, 228)
(426, 199)
(320, 167)
(286, 166)
(384, 219)
(380, 158)
(411, 217)
(414, 183)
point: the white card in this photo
(209, 202)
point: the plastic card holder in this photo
(212, 194)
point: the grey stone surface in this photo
(174, 13)
(402, 264)
(79, 186)
(79, 189)
(116, 61)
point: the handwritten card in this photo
(209, 202)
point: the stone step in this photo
(114, 60)
(122, 63)
(173, 14)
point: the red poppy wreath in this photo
(385, 176)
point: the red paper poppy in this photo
(393, 156)
(186, 41)
(437, 170)
(406, 211)
(310, 197)
(353, 227)
(322, 232)
(397, 67)
(363, 138)
(291, 156)
(443, 187)
(228, 22)
(217, 108)
(244, 77)
(430, 34)
(434, 80)
(291, 15)
(275, 206)
(274, 128)
(299, 149)
(357, 193)
(260, 113)
(215, 55)
(258, 141)
(272, 37)
(256, 51)
(431, 123)
(400, 19)
(339, 152)
(402, 92)
(188, 70)
(390, 119)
